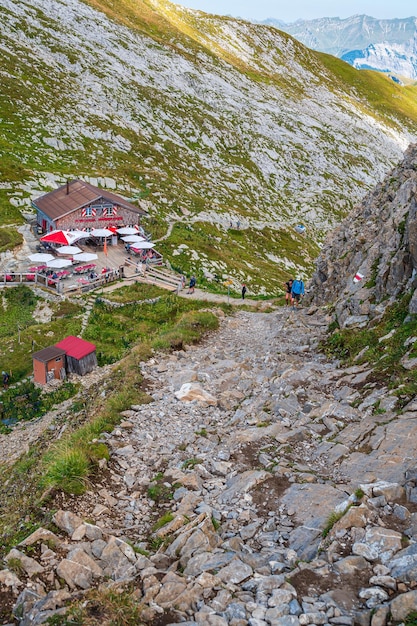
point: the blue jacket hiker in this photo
(297, 290)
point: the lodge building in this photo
(77, 205)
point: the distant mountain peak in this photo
(384, 45)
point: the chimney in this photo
(67, 187)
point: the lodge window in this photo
(88, 211)
(109, 211)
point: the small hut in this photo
(80, 355)
(48, 364)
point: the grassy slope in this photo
(177, 170)
(379, 94)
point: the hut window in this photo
(109, 210)
(88, 211)
(58, 358)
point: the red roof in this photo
(76, 347)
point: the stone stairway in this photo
(86, 315)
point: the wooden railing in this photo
(70, 284)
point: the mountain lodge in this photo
(78, 205)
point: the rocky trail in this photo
(265, 485)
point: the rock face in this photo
(378, 242)
(284, 502)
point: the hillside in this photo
(205, 121)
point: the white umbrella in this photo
(68, 250)
(131, 238)
(143, 245)
(40, 257)
(127, 230)
(84, 257)
(101, 232)
(58, 263)
(76, 235)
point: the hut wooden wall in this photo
(82, 366)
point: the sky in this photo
(292, 10)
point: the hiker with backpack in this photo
(288, 287)
(297, 292)
(6, 378)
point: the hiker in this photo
(288, 286)
(297, 292)
(192, 284)
(6, 378)
(244, 290)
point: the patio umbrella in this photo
(63, 237)
(40, 257)
(69, 250)
(84, 257)
(143, 245)
(59, 263)
(127, 230)
(76, 235)
(101, 232)
(132, 238)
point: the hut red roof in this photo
(75, 347)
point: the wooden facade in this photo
(80, 355)
(48, 364)
(77, 205)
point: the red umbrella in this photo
(64, 237)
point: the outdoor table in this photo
(38, 268)
(83, 281)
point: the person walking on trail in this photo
(6, 378)
(288, 287)
(192, 284)
(297, 292)
(244, 290)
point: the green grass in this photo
(190, 463)
(331, 521)
(243, 255)
(9, 237)
(384, 357)
(164, 325)
(118, 607)
(21, 334)
(68, 469)
(163, 521)
(390, 101)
